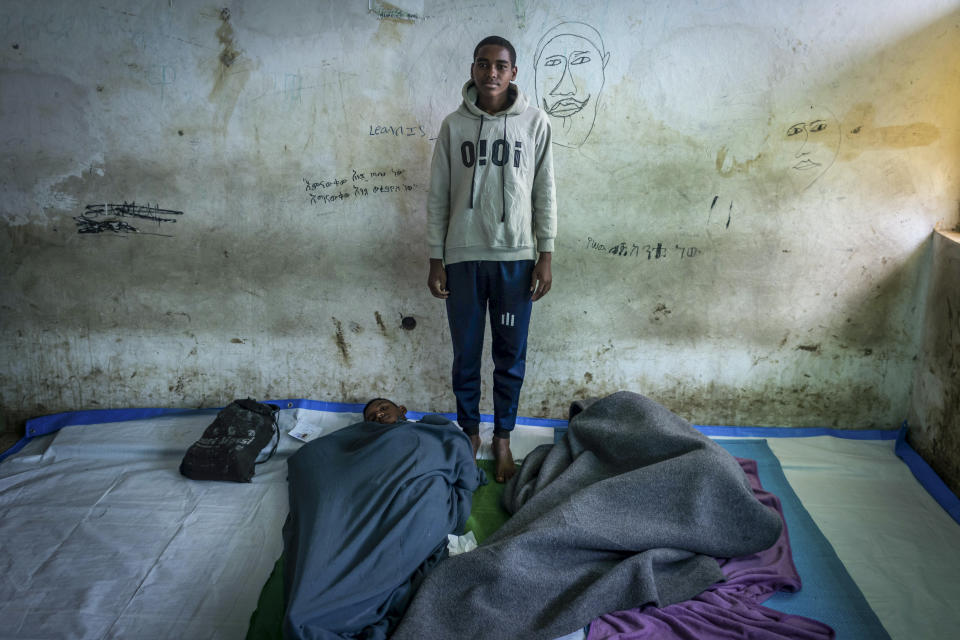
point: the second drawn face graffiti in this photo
(569, 74)
(812, 140)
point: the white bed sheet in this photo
(900, 546)
(103, 538)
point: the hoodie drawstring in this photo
(503, 175)
(476, 160)
(503, 184)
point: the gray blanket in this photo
(631, 507)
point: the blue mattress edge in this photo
(926, 476)
(921, 470)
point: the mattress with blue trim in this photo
(104, 538)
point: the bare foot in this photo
(505, 467)
(475, 441)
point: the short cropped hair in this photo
(500, 42)
(367, 406)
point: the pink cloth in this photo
(730, 609)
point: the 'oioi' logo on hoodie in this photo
(500, 153)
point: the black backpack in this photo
(229, 447)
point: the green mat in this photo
(486, 516)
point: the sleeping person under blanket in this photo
(370, 509)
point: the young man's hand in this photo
(437, 280)
(542, 277)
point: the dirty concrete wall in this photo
(935, 405)
(201, 202)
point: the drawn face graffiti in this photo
(813, 140)
(569, 76)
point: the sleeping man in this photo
(388, 412)
(370, 509)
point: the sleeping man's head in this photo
(384, 411)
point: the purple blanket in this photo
(729, 609)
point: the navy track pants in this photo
(503, 289)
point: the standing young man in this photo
(491, 224)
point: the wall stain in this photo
(229, 52)
(935, 412)
(813, 348)
(342, 345)
(171, 314)
(555, 403)
(869, 136)
(383, 327)
(232, 69)
(237, 341)
(727, 169)
(660, 312)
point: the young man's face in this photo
(384, 412)
(492, 72)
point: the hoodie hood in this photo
(469, 106)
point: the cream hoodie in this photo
(492, 195)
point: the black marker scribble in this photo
(102, 218)
(386, 11)
(652, 252)
(86, 225)
(362, 183)
(133, 210)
